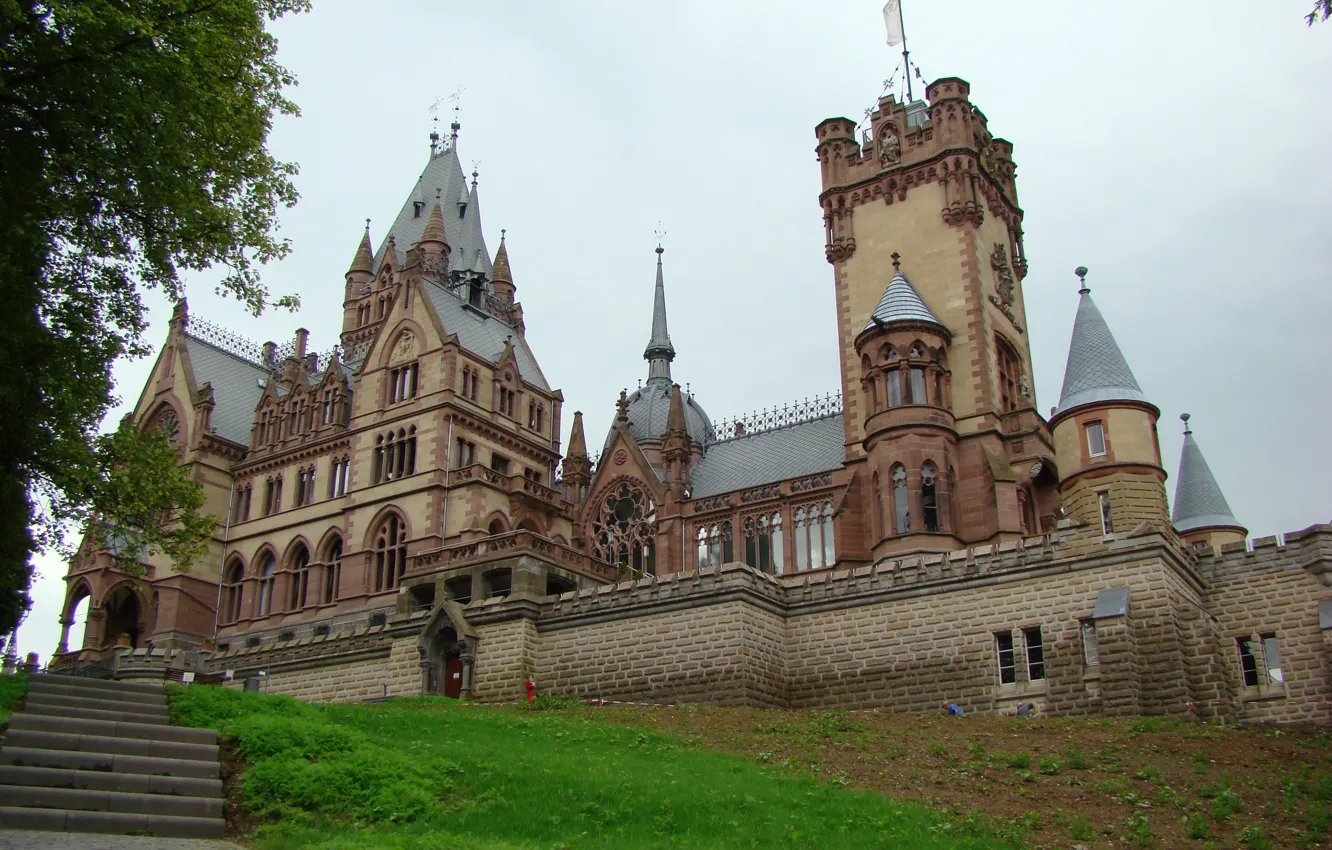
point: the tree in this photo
(1322, 10)
(133, 136)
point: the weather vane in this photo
(660, 233)
(434, 128)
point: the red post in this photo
(531, 690)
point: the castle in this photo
(399, 516)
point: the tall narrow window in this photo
(377, 469)
(1103, 499)
(829, 545)
(1035, 653)
(763, 543)
(390, 554)
(1010, 375)
(233, 591)
(876, 524)
(1248, 664)
(894, 377)
(1091, 651)
(929, 500)
(1095, 439)
(1272, 655)
(466, 453)
(277, 494)
(300, 579)
(801, 540)
(901, 502)
(267, 568)
(1003, 644)
(333, 571)
(918, 386)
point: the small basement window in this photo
(1035, 654)
(498, 583)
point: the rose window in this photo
(625, 529)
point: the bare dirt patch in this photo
(1053, 782)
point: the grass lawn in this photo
(12, 690)
(431, 773)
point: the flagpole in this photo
(906, 55)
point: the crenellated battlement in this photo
(1306, 549)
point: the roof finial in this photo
(502, 232)
(1186, 417)
(367, 227)
(660, 233)
(476, 165)
(455, 126)
(1081, 272)
(434, 128)
(897, 262)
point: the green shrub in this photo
(1226, 803)
(552, 702)
(12, 690)
(1075, 760)
(1016, 761)
(1050, 766)
(1254, 838)
(1317, 819)
(1195, 826)
(263, 736)
(1137, 831)
(1081, 828)
(938, 750)
(1321, 789)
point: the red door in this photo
(453, 670)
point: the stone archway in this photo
(447, 648)
(124, 615)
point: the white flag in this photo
(892, 22)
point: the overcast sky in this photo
(1177, 150)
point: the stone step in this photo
(111, 728)
(37, 702)
(53, 710)
(103, 744)
(111, 823)
(96, 780)
(108, 762)
(94, 684)
(49, 689)
(46, 797)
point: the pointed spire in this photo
(501, 276)
(622, 407)
(364, 261)
(901, 302)
(434, 229)
(659, 352)
(1199, 502)
(577, 441)
(1097, 370)
(675, 417)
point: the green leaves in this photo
(133, 137)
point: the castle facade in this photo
(401, 518)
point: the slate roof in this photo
(648, 408)
(482, 333)
(443, 181)
(902, 303)
(1097, 370)
(1199, 502)
(237, 387)
(766, 457)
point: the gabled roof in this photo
(237, 383)
(1097, 370)
(442, 178)
(765, 457)
(1199, 502)
(902, 303)
(481, 333)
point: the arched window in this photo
(395, 454)
(233, 590)
(763, 543)
(815, 546)
(390, 554)
(300, 579)
(333, 571)
(829, 544)
(901, 504)
(929, 500)
(267, 568)
(715, 546)
(625, 529)
(894, 377)
(876, 525)
(496, 527)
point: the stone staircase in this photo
(87, 755)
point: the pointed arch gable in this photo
(447, 615)
(378, 520)
(325, 541)
(529, 521)
(76, 593)
(293, 547)
(390, 336)
(635, 465)
(260, 555)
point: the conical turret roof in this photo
(902, 303)
(1097, 370)
(577, 442)
(434, 229)
(1199, 502)
(500, 271)
(364, 261)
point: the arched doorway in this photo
(123, 617)
(446, 666)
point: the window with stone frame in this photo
(929, 496)
(395, 454)
(1103, 504)
(332, 570)
(402, 383)
(233, 590)
(305, 486)
(267, 573)
(300, 579)
(1003, 647)
(1009, 367)
(763, 542)
(624, 529)
(1035, 647)
(815, 547)
(1091, 650)
(390, 556)
(165, 422)
(339, 469)
(464, 454)
(715, 546)
(901, 501)
(240, 503)
(506, 400)
(1095, 438)
(470, 381)
(1260, 662)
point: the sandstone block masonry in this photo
(1073, 622)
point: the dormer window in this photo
(1095, 439)
(402, 383)
(474, 294)
(417, 208)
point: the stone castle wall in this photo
(905, 635)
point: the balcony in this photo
(509, 545)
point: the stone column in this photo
(65, 624)
(468, 659)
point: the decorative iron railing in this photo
(779, 417)
(230, 342)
